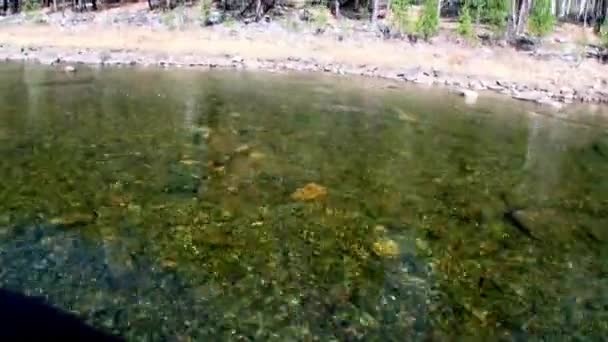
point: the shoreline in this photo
(548, 76)
(466, 85)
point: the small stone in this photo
(423, 246)
(470, 96)
(495, 87)
(549, 102)
(526, 96)
(424, 80)
(309, 192)
(257, 155)
(476, 85)
(380, 229)
(226, 214)
(69, 68)
(243, 149)
(188, 162)
(386, 248)
(73, 219)
(169, 263)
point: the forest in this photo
(419, 17)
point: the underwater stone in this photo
(386, 248)
(309, 192)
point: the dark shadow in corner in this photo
(25, 318)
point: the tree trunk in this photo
(438, 8)
(374, 17)
(258, 10)
(581, 9)
(585, 13)
(513, 24)
(563, 8)
(357, 6)
(337, 8)
(523, 16)
(554, 8)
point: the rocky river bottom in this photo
(186, 205)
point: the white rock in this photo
(69, 68)
(549, 102)
(469, 95)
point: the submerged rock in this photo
(189, 162)
(73, 219)
(403, 116)
(386, 248)
(257, 155)
(309, 192)
(243, 149)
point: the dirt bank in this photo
(131, 35)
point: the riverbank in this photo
(553, 74)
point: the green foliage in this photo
(230, 22)
(205, 9)
(400, 15)
(491, 12)
(541, 20)
(169, 19)
(478, 8)
(31, 5)
(496, 14)
(428, 24)
(320, 16)
(465, 24)
(604, 34)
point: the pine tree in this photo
(428, 24)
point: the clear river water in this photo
(200, 206)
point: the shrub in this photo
(401, 16)
(31, 5)
(320, 16)
(465, 24)
(205, 10)
(604, 34)
(428, 24)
